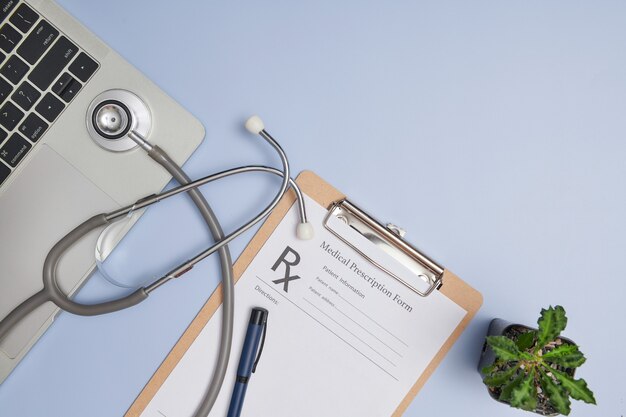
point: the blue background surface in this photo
(493, 131)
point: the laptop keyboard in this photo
(41, 71)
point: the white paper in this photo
(343, 339)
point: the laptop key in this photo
(37, 42)
(24, 18)
(14, 69)
(50, 107)
(10, 115)
(70, 91)
(33, 127)
(26, 95)
(66, 87)
(61, 83)
(53, 63)
(3, 135)
(5, 8)
(14, 149)
(4, 172)
(83, 67)
(5, 90)
(9, 38)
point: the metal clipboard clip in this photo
(390, 240)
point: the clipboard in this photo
(389, 237)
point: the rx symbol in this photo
(282, 259)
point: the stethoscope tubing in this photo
(155, 198)
(181, 269)
(53, 293)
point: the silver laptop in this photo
(52, 174)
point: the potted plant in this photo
(533, 369)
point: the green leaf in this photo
(505, 394)
(558, 397)
(504, 348)
(577, 388)
(567, 356)
(551, 323)
(524, 395)
(525, 340)
(488, 369)
(500, 378)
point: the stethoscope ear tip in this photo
(255, 124)
(305, 231)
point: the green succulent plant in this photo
(536, 366)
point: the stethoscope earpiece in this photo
(254, 125)
(305, 231)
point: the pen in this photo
(257, 327)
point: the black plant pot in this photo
(499, 327)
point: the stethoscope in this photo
(118, 120)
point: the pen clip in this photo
(258, 356)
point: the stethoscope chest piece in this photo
(112, 114)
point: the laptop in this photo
(53, 175)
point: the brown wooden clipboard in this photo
(325, 194)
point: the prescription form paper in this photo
(343, 338)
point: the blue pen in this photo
(247, 363)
